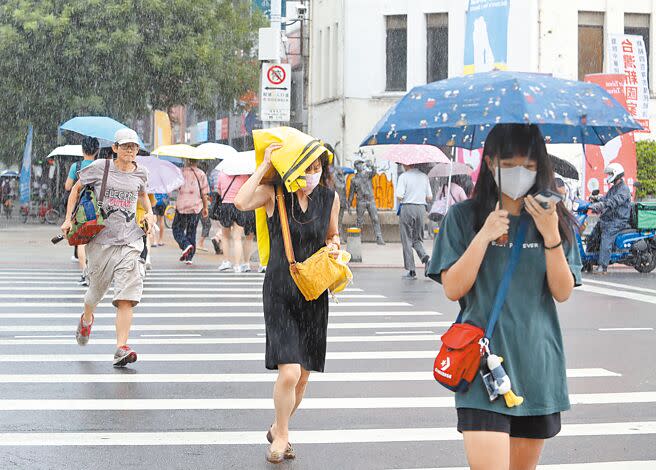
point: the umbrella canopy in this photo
(564, 168)
(218, 151)
(415, 154)
(241, 164)
(67, 151)
(182, 151)
(461, 111)
(444, 170)
(100, 127)
(163, 176)
(9, 174)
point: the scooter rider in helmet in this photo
(615, 210)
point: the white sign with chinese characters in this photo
(276, 92)
(627, 55)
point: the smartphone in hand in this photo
(546, 196)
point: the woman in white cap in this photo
(115, 254)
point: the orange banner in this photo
(620, 150)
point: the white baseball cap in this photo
(126, 136)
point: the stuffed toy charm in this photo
(502, 381)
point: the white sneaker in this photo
(261, 269)
(238, 268)
(226, 266)
(245, 268)
(149, 265)
(73, 259)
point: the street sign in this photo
(276, 92)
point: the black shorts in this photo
(159, 210)
(229, 215)
(529, 427)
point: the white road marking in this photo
(620, 286)
(421, 376)
(334, 436)
(255, 314)
(615, 293)
(179, 295)
(332, 403)
(200, 357)
(621, 465)
(626, 329)
(173, 287)
(223, 327)
(31, 340)
(191, 305)
(170, 335)
(404, 332)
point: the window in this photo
(638, 25)
(397, 53)
(437, 47)
(326, 76)
(591, 43)
(317, 80)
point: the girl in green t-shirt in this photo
(469, 259)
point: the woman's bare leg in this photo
(487, 450)
(525, 453)
(284, 400)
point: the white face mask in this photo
(312, 181)
(515, 182)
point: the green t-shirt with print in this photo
(527, 334)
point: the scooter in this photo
(632, 247)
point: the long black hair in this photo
(506, 141)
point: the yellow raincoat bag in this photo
(298, 151)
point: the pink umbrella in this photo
(411, 154)
(442, 170)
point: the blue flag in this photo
(26, 169)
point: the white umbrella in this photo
(181, 151)
(68, 151)
(218, 151)
(163, 176)
(241, 164)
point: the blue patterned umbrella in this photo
(461, 111)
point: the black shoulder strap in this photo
(229, 186)
(104, 182)
(200, 189)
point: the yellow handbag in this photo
(318, 273)
(289, 163)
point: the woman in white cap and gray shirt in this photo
(114, 255)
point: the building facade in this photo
(366, 54)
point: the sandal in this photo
(289, 453)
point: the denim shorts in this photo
(529, 427)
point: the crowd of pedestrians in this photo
(468, 259)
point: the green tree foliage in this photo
(646, 153)
(62, 58)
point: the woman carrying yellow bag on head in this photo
(301, 215)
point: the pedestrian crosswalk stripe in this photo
(176, 294)
(72, 283)
(617, 293)
(69, 305)
(332, 403)
(620, 286)
(159, 271)
(223, 327)
(149, 276)
(420, 376)
(23, 341)
(254, 314)
(621, 465)
(626, 329)
(220, 287)
(333, 436)
(200, 357)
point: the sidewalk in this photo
(29, 244)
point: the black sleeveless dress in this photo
(296, 329)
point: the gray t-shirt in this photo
(527, 334)
(120, 202)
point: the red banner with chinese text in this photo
(620, 150)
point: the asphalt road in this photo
(199, 396)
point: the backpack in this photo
(88, 218)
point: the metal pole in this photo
(276, 12)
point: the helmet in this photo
(613, 172)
